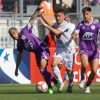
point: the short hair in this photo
(9, 31)
(86, 9)
(60, 10)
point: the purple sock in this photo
(47, 76)
(54, 80)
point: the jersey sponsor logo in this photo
(88, 36)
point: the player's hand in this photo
(74, 36)
(16, 72)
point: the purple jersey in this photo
(88, 34)
(30, 42)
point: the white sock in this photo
(57, 74)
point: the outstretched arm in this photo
(31, 20)
(46, 21)
(19, 56)
(55, 31)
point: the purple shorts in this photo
(42, 54)
(91, 54)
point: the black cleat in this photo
(69, 88)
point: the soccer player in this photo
(26, 40)
(88, 30)
(64, 47)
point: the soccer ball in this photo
(41, 86)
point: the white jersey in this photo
(65, 42)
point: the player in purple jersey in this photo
(88, 30)
(26, 40)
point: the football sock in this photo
(70, 76)
(54, 80)
(57, 74)
(90, 79)
(65, 76)
(82, 73)
(47, 76)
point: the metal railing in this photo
(19, 22)
(7, 42)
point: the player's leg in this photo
(65, 77)
(84, 63)
(56, 70)
(55, 81)
(68, 60)
(70, 84)
(46, 74)
(94, 65)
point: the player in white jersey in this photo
(64, 47)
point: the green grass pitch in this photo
(28, 92)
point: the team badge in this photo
(92, 27)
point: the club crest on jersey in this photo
(93, 27)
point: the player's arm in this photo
(55, 31)
(31, 21)
(75, 37)
(19, 57)
(75, 34)
(32, 18)
(46, 20)
(41, 6)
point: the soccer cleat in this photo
(69, 88)
(61, 87)
(87, 90)
(81, 85)
(57, 85)
(50, 90)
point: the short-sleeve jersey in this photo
(29, 41)
(64, 39)
(88, 35)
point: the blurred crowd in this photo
(91, 2)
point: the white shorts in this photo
(65, 57)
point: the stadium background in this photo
(28, 70)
